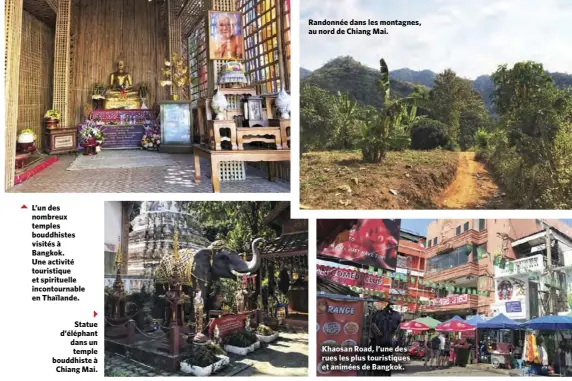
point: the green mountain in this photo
(347, 75)
(423, 77)
(304, 73)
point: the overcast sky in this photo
(471, 37)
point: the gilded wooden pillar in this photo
(13, 35)
(62, 61)
(175, 38)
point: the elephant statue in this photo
(200, 268)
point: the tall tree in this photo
(318, 115)
(537, 119)
(457, 105)
(239, 222)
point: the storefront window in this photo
(457, 257)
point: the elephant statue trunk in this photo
(254, 263)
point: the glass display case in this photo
(175, 127)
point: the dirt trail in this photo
(472, 188)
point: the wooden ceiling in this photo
(190, 12)
(42, 10)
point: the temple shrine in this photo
(208, 78)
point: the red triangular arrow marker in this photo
(94, 314)
(24, 207)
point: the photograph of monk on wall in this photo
(369, 242)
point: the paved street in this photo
(164, 179)
(288, 356)
(415, 368)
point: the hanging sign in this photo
(340, 324)
(227, 324)
(351, 278)
(365, 242)
(451, 300)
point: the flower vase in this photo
(219, 104)
(175, 97)
(283, 104)
(51, 123)
(143, 105)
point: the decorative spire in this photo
(176, 245)
(118, 255)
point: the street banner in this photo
(363, 242)
(451, 300)
(339, 324)
(352, 278)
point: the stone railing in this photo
(132, 283)
(523, 266)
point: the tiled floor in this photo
(165, 179)
(288, 356)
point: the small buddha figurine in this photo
(120, 93)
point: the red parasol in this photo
(454, 326)
(414, 325)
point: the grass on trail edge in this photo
(341, 180)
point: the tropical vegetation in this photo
(522, 130)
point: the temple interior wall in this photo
(109, 30)
(36, 75)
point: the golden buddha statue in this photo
(120, 93)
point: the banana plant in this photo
(388, 129)
(347, 109)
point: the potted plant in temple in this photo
(152, 138)
(241, 343)
(26, 139)
(89, 134)
(176, 73)
(52, 118)
(150, 141)
(97, 96)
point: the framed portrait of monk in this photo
(226, 41)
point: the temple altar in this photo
(120, 94)
(124, 128)
(107, 116)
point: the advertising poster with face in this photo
(371, 242)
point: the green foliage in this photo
(242, 339)
(388, 128)
(482, 139)
(318, 115)
(427, 134)
(228, 289)
(459, 107)
(264, 330)
(238, 222)
(532, 157)
(345, 131)
(203, 355)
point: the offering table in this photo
(216, 157)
